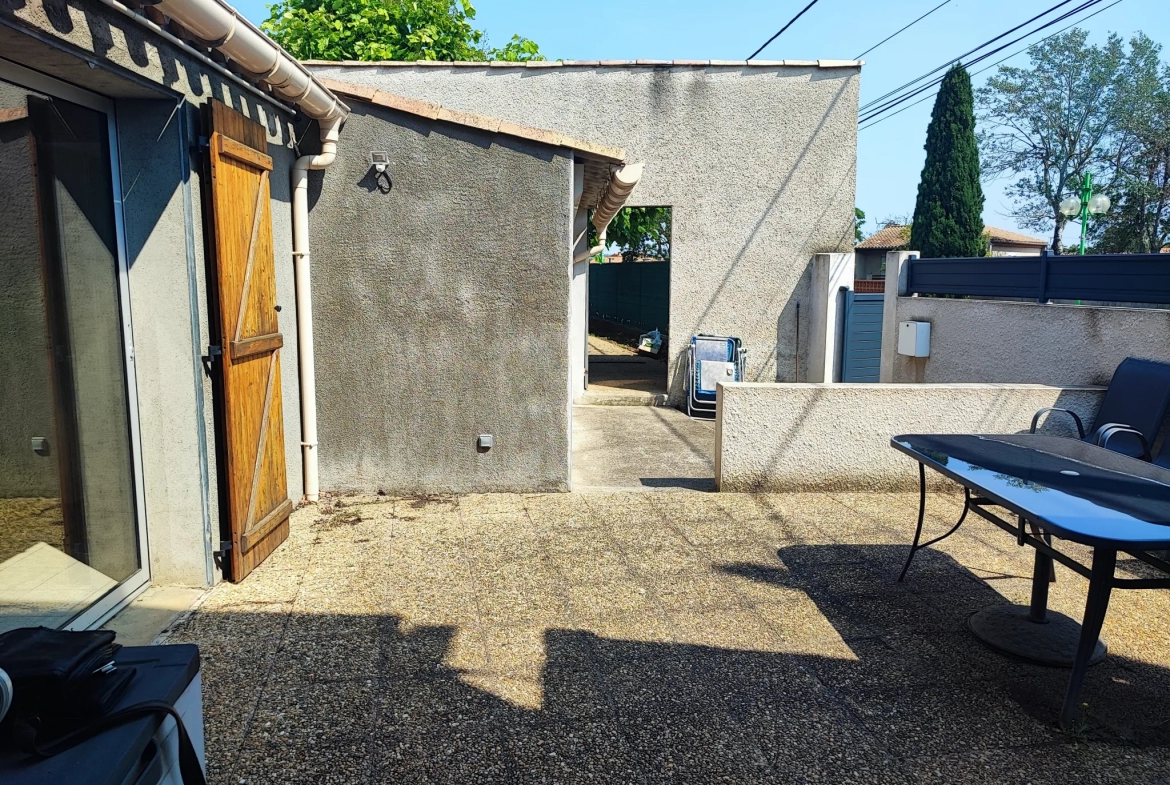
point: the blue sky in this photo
(890, 154)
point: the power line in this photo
(874, 112)
(960, 57)
(752, 56)
(888, 105)
(997, 62)
(904, 29)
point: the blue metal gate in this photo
(862, 350)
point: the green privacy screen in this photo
(635, 294)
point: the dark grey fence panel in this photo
(636, 294)
(1138, 278)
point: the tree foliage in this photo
(387, 30)
(858, 222)
(1139, 169)
(948, 216)
(1051, 123)
(639, 233)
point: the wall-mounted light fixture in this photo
(380, 163)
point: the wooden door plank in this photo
(257, 215)
(265, 526)
(257, 502)
(260, 344)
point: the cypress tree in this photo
(948, 217)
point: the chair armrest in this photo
(1107, 431)
(1069, 412)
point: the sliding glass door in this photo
(72, 541)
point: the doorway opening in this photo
(629, 299)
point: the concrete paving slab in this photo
(533, 648)
(152, 612)
(641, 448)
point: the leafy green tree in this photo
(1140, 178)
(1051, 123)
(386, 30)
(641, 232)
(948, 216)
(858, 222)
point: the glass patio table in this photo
(1055, 488)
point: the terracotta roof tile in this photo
(897, 236)
(892, 238)
(1004, 236)
(614, 155)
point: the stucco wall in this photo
(1018, 342)
(757, 162)
(148, 77)
(836, 437)
(441, 308)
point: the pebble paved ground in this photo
(657, 637)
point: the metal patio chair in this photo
(711, 359)
(1132, 412)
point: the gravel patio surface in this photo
(670, 636)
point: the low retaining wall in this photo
(836, 437)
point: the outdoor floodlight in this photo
(1099, 204)
(1070, 206)
(380, 161)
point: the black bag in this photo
(64, 686)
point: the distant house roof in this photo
(1013, 238)
(891, 238)
(897, 236)
(591, 150)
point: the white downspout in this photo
(220, 27)
(308, 365)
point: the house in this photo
(229, 281)
(151, 405)
(755, 160)
(444, 297)
(871, 252)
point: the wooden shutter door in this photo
(250, 414)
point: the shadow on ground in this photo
(339, 691)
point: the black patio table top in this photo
(1056, 487)
(1075, 490)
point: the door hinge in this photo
(201, 144)
(213, 354)
(221, 554)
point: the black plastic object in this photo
(119, 754)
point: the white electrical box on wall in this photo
(914, 339)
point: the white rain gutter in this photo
(621, 185)
(221, 28)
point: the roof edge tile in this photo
(615, 155)
(585, 63)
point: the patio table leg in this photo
(1041, 572)
(921, 516)
(915, 546)
(1100, 586)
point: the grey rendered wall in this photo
(836, 437)
(1016, 342)
(149, 78)
(758, 164)
(441, 309)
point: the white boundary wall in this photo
(836, 437)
